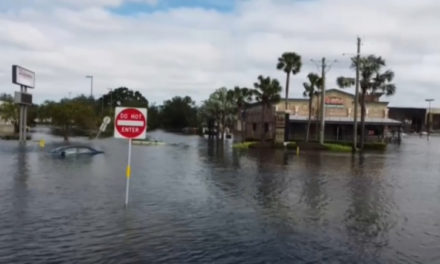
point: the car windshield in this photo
(83, 150)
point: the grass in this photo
(375, 146)
(245, 145)
(337, 147)
(13, 137)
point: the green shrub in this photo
(375, 146)
(278, 145)
(291, 145)
(337, 147)
(14, 137)
(245, 145)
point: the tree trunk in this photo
(223, 127)
(310, 119)
(243, 131)
(318, 109)
(287, 90)
(217, 127)
(363, 113)
(66, 133)
(262, 122)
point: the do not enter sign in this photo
(130, 123)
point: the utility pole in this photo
(322, 128)
(356, 95)
(324, 69)
(428, 119)
(91, 84)
(111, 98)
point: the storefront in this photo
(339, 115)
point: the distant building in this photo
(416, 120)
(413, 119)
(339, 114)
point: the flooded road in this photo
(192, 201)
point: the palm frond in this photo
(344, 82)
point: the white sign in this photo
(22, 76)
(106, 120)
(104, 124)
(130, 123)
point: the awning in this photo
(347, 120)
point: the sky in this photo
(166, 48)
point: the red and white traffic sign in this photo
(130, 123)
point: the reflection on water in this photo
(198, 201)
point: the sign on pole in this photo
(130, 123)
(105, 121)
(22, 76)
(23, 98)
(26, 79)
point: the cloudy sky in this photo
(165, 48)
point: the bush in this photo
(337, 147)
(245, 145)
(278, 145)
(291, 145)
(375, 146)
(14, 137)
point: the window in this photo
(254, 126)
(266, 127)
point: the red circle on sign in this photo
(130, 123)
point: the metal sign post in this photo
(26, 79)
(130, 123)
(128, 173)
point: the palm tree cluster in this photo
(224, 106)
(374, 82)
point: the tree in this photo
(124, 97)
(71, 113)
(373, 83)
(289, 62)
(178, 113)
(311, 89)
(154, 117)
(267, 91)
(240, 97)
(219, 110)
(9, 110)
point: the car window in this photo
(83, 150)
(70, 151)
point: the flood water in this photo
(192, 201)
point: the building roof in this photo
(344, 120)
(307, 99)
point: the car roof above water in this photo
(62, 148)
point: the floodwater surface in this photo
(194, 201)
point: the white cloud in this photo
(192, 51)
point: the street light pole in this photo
(111, 98)
(428, 116)
(91, 84)
(322, 128)
(356, 95)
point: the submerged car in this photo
(69, 150)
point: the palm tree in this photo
(372, 82)
(311, 89)
(240, 97)
(289, 62)
(267, 91)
